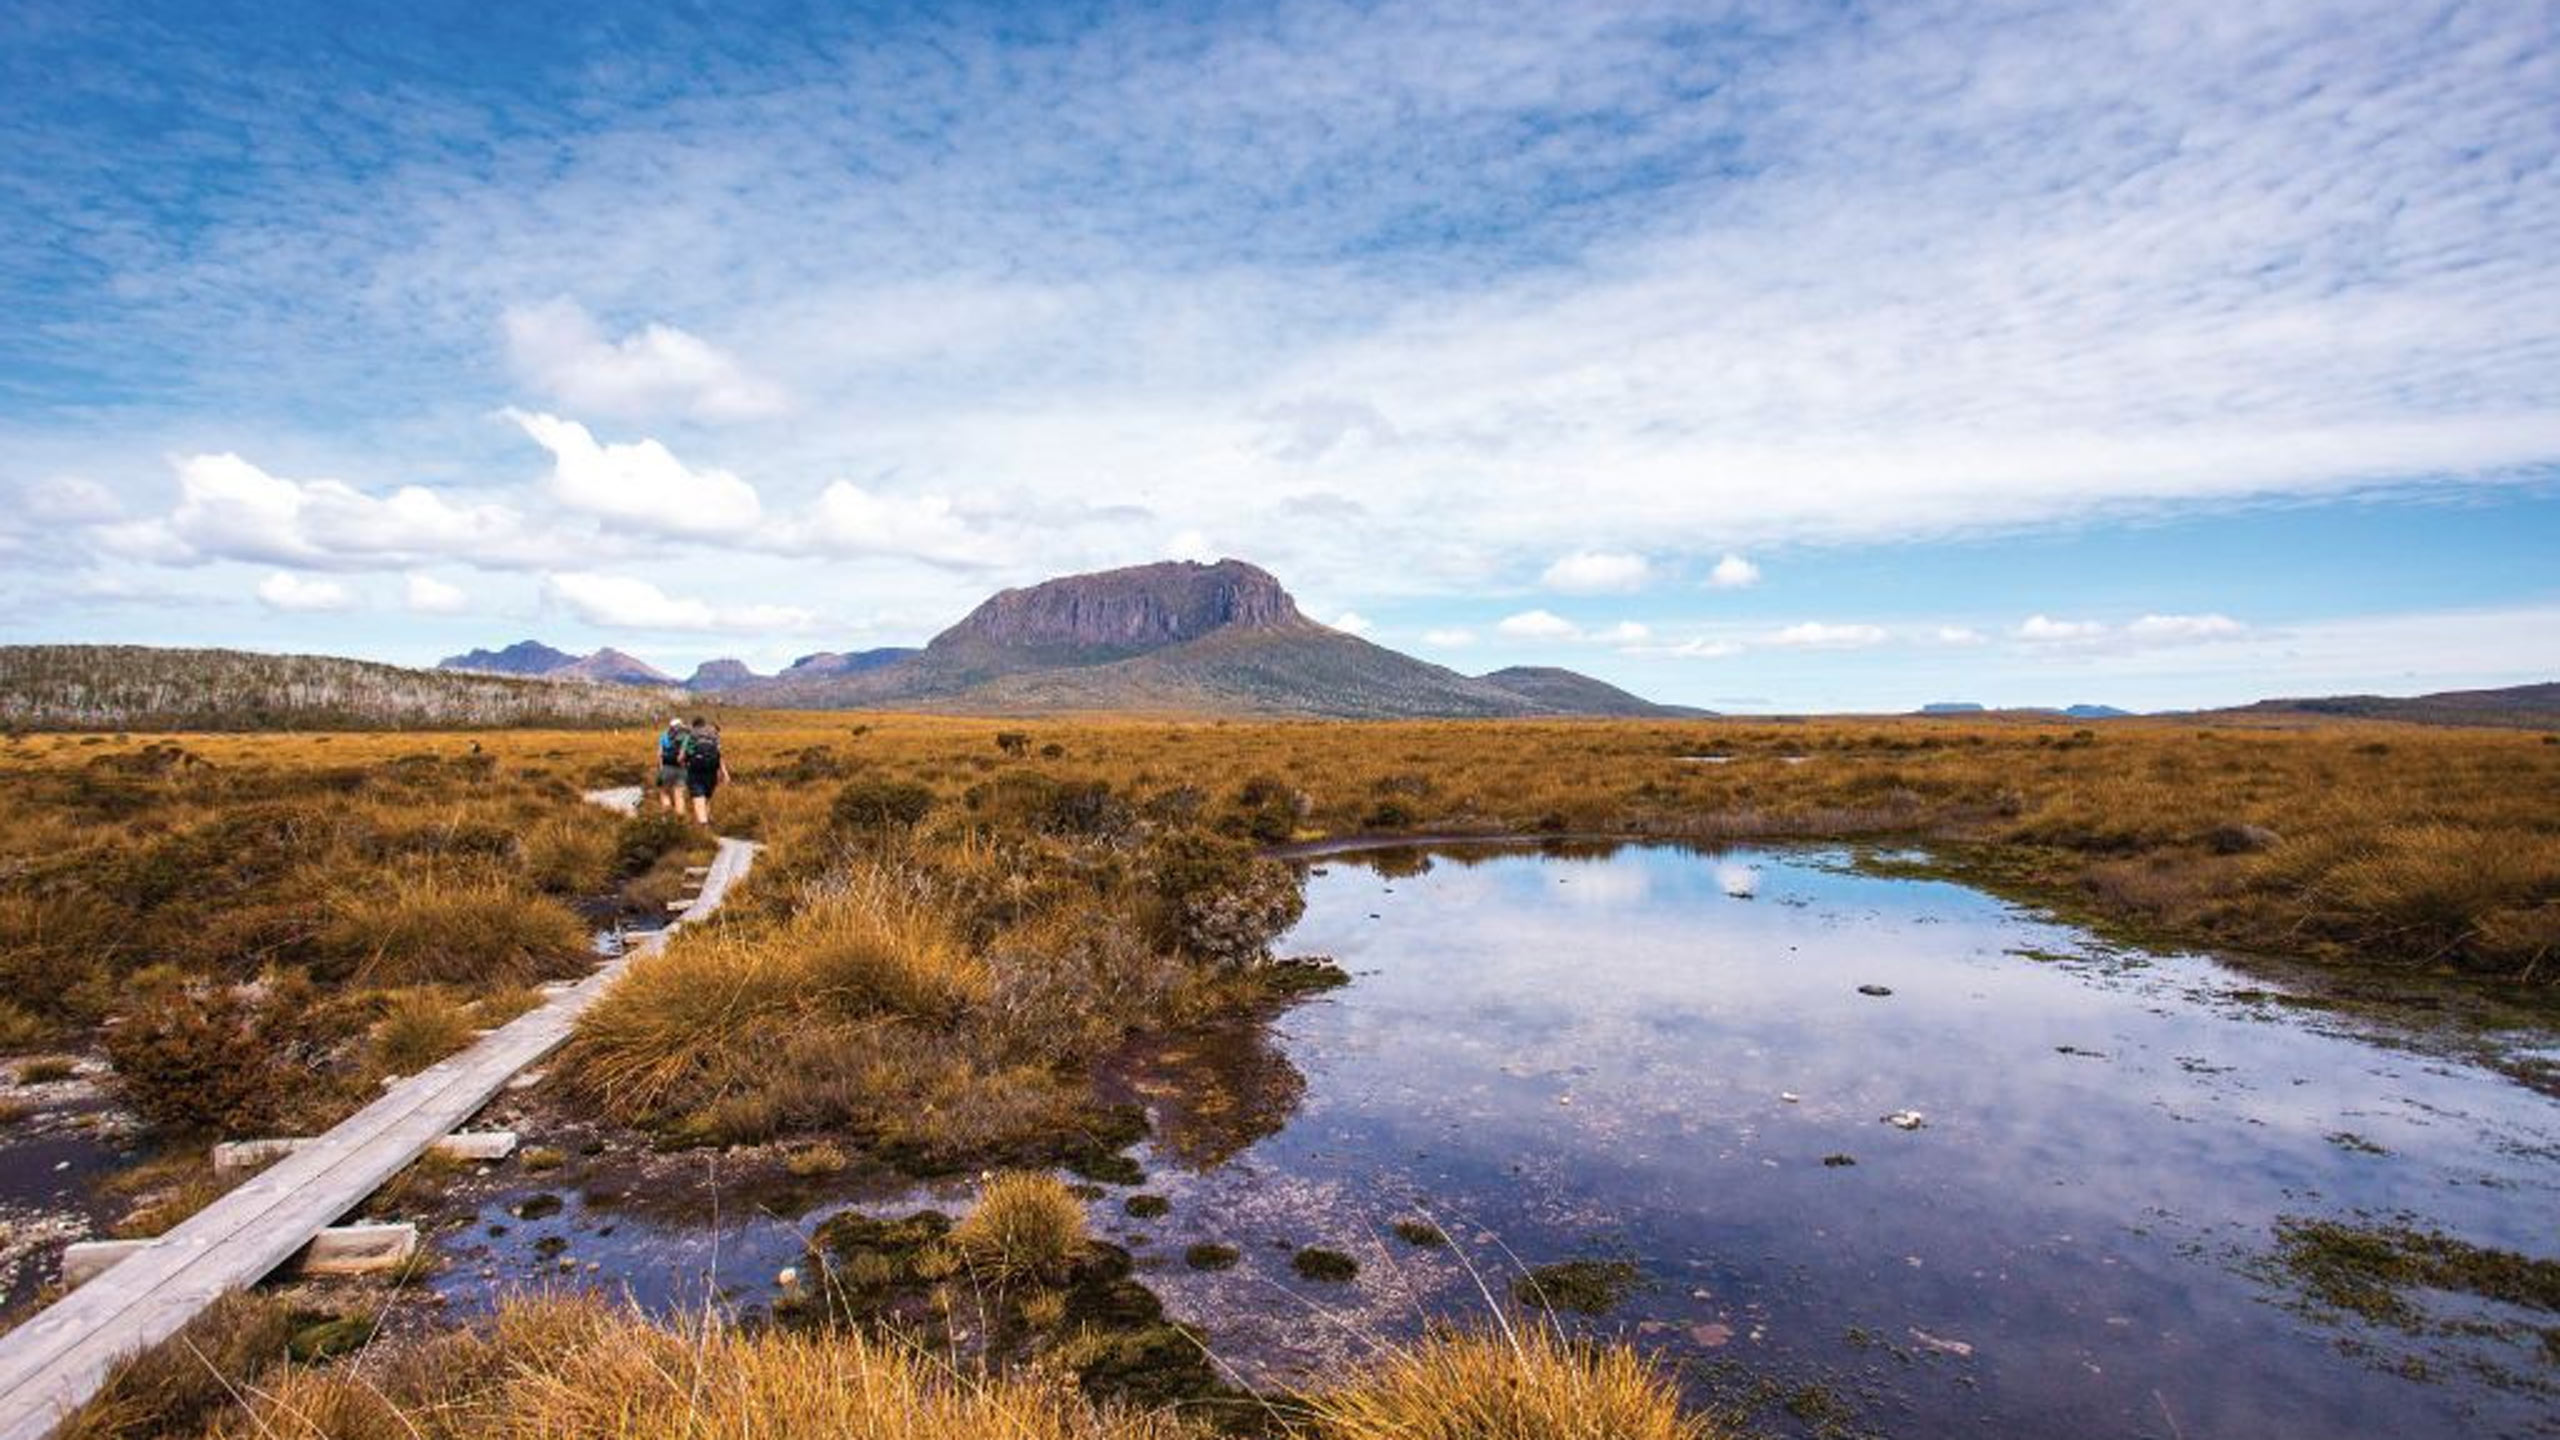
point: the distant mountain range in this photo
(2068, 712)
(1222, 638)
(2530, 707)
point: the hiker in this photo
(704, 770)
(671, 766)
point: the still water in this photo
(1665, 1057)
(1649, 1054)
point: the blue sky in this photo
(1819, 356)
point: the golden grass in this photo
(1510, 1384)
(579, 1368)
(467, 929)
(1027, 1227)
(574, 1369)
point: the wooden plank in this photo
(60, 1355)
(338, 1250)
(467, 1145)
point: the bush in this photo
(1027, 1227)
(201, 1058)
(1218, 901)
(873, 804)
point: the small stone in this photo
(1790, 1097)
(1875, 990)
(1712, 1336)
(1904, 1120)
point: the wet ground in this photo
(60, 1139)
(1681, 1061)
(1678, 1060)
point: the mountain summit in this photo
(1118, 613)
(1181, 636)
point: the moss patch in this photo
(1421, 1233)
(1211, 1257)
(1588, 1287)
(1147, 1207)
(1330, 1266)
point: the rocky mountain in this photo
(611, 667)
(1180, 635)
(533, 658)
(713, 677)
(844, 662)
(525, 657)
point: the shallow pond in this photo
(1666, 1057)
(1663, 1057)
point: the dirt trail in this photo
(58, 1358)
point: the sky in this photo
(1768, 357)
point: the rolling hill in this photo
(141, 687)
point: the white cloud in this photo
(1592, 572)
(641, 485)
(1625, 632)
(849, 520)
(1816, 635)
(1191, 545)
(638, 605)
(68, 500)
(1958, 635)
(2182, 629)
(656, 372)
(2044, 630)
(1699, 649)
(229, 509)
(1733, 573)
(430, 596)
(625, 602)
(1448, 639)
(295, 595)
(1352, 622)
(1539, 625)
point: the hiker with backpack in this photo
(704, 770)
(671, 766)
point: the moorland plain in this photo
(957, 917)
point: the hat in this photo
(677, 723)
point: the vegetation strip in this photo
(59, 1357)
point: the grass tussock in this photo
(1507, 1385)
(574, 1369)
(579, 1368)
(425, 929)
(1028, 1227)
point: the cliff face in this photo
(1126, 612)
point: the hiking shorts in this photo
(700, 783)
(670, 776)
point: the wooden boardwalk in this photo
(57, 1359)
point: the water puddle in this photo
(1910, 1160)
(1876, 1155)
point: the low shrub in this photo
(1218, 901)
(200, 1057)
(873, 804)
